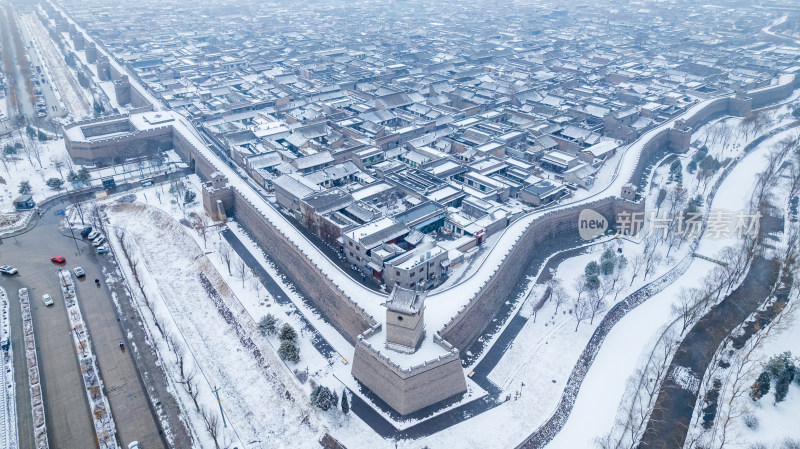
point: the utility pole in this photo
(216, 392)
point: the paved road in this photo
(66, 407)
(26, 107)
(38, 66)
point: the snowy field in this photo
(26, 165)
(261, 399)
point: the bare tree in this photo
(636, 266)
(597, 303)
(201, 223)
(581, 310)
(688, 307)
(579, 284)
(225, 256)
(242, 271)
(557, 293)
(75, 200)
(257, 287)
(211, 420)
(35, 149)
(59, 165)
(191, 387)
(651, 259)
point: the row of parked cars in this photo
(98, 239)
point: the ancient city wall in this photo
(346, 316)
(137, 98)
(192, 155)
(718, 106)
(764, 96)
(106, 150)
(408, 390)
(471, 320)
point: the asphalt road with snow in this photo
(66, 406)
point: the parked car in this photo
(86, 231)
(79, 272)
(8, 269)
(48, 301)
(58, 259)
(92, 235)
(102, 249)
(134, 445)
(98, 241)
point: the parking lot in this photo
(66, 407)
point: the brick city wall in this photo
(767, 95)
(106, 150)
(408, 390)
(473, 318)
(333, 304)
(192, 155)
(133, 94)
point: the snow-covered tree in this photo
(289, 351)
(323, 398)
(267, 324)
(287, 333)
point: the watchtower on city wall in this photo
(122, 90)
(91, 52)
(407, 390)
(103, 68)
(217, 197)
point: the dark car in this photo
(86, 231)
(58, 259)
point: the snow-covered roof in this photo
(405, 300)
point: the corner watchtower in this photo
(405, 323)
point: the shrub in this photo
(287, 333)
(25, 188)
(267, 324)
(323, 398)
(289, 351)
(751, 421)
(55, 183)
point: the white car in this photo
(79, 272)
(7, 269)
(98, 241)
(102, 249)
(48, 301)
(92, 235)
(134, 445)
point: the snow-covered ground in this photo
(19, 167)
(254, 394)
